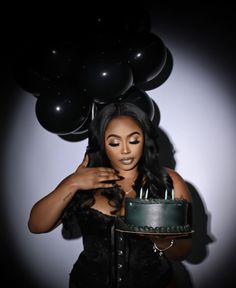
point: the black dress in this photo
(112, 259)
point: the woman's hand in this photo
(86, 178)
(178, 250)
(164, 237)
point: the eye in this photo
(136, 141)
(113, 144)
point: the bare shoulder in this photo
(175, 176)
(180, 186)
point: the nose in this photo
(125, 148)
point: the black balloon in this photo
(105, 79)
(141, 100)
(30, 80)
(26, 75)
(83, 129)
(40, 66)
(62, 111)
(146, 54)
(57, 61)
(136, 97)
(136, 21)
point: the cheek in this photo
(110, 153)
(139, 151)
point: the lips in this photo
(126, 161)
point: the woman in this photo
(122, 156)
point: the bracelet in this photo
(155, 248)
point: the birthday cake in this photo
(161, 216)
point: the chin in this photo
(126, 168)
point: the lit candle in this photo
(141, 193)
(166, 194)
(173, 194)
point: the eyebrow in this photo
(117, 136)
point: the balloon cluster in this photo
(73, 75)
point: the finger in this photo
(105, 185)
(107, 174)
(106, 169)
(108, 177)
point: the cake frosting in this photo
(151, 215)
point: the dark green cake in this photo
(155, 216)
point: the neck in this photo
(128, 180)
(129, 175)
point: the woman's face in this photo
(123, 143)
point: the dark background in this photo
(211, 27)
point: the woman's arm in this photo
(179, 250)
(45, 215)
(181, 246)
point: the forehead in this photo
(123, 124)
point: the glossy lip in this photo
(127, 161)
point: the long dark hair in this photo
(152, 175)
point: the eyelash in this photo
(134, 142)
(113, 145)
(131, 142)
